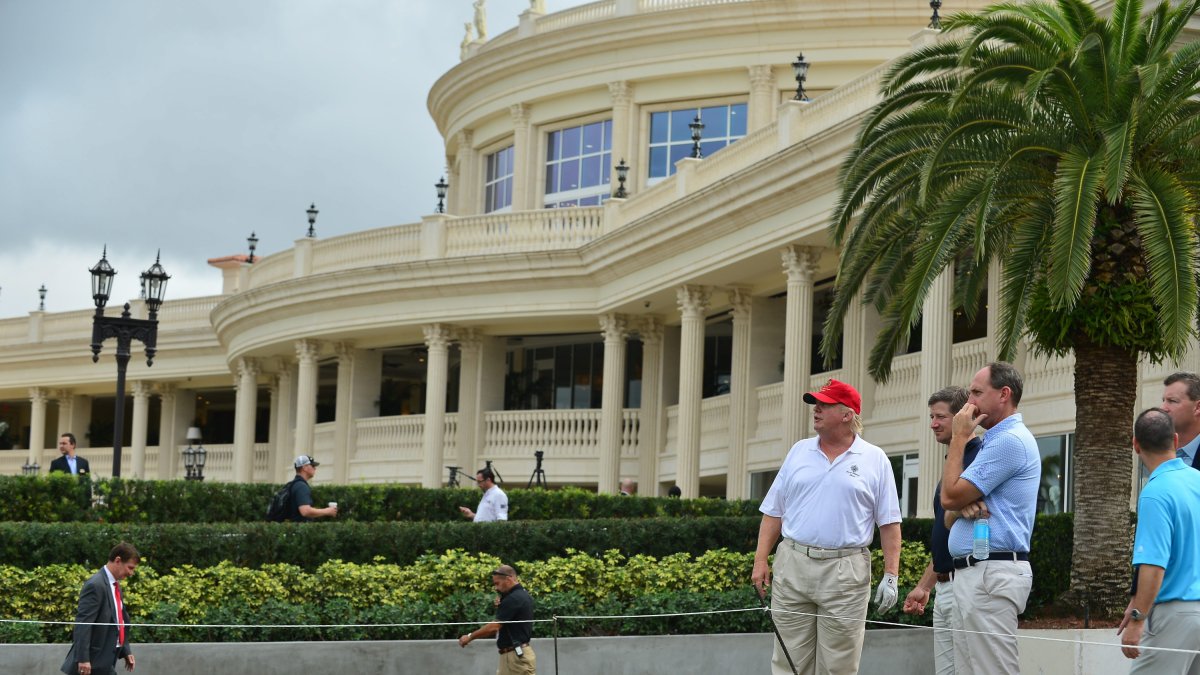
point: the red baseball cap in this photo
(836, 392)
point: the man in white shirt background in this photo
(494, 503)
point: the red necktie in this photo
(120, 615)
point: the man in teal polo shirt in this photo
(1165, 612)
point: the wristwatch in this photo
(1136, 615)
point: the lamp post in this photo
(125, 329)
(935, 21)
(697, 128)
(312, 219)
(800, 68)
(441, 186)
(42, 298)
(622, 174)
(194, 458)
(253, 242)
(28, 469)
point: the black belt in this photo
(943, 577)
(505, 650)
(1009, 556)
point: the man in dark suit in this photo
(101, 622)
(69, 463)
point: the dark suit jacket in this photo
(97, 643)
(60, 464)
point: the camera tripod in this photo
(495, 472)
(538, 477)
(454, 471)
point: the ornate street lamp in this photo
(441, 186)
(622, 174)
(253, 242)
(935, 21)
(800, 68)
(28, 469)
(312, 219)
(194, 458)
(125, 329)
(42, 298)
(697, 128)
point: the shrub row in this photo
(451, 587)
(309, 545)
(61, 498)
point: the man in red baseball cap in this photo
(830, 494)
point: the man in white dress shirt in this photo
(493, 505)
(830, 494)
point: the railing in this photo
(397, 437)
(541, 230)
(671, 442)
(273, 268)
(631, 427)
(666, 5)
(577, 15)
(323, 440)
(818, 380)
(186, 313)
(14, 330)
(897, 398)
(714, 424)
(565, 433)
(966, 359)
(72, 325)
(370, 247)
(769, 422)
(1049, 376)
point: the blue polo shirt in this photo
(1007, 472)
(1168, 530)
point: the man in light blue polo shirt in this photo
(1165, 612)
(1005, 474)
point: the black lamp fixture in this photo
(42, 298)
(800, 68)
(312, 219)
(252, 240)
(194, 458)
(622, 174)
(935, 21)
(125, 329)
(697, 128)
(28, 469)
(441, 186)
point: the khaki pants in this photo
(944, 627)
(987, 599)
(511, 664)
(1171, 624)
(836, 587)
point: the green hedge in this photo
(309, 545)
(61, 498)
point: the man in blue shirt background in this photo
(1165, 611)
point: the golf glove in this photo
(885, 596)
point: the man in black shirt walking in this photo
(512, 639)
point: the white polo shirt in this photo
(493, 506)
(833, 504)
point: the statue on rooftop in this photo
(481, 19)
(537, 6)
(468, 38)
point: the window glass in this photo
(579, 174)
(671, 137)
(1055, 489)
(570, 142)
(497, 193)
(565, 372)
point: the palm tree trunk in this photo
(1105, 392)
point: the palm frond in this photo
(1080, 174)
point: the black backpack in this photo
(280, 507)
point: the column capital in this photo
(761, 77)
(248, 367)
(466, 139)
(164, 388)
(614, 326)
(651, 329)
(141, 389)
(61, 394)
(800, 262)
(438, 335)
(38, 395)
(307, 350)
(469, 339)
(621, 92)
(344, 351)
(520, 114)
(693, 300)
(740, 300)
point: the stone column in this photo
(283, 420)
(168, 430)
(470, 375)
(141, 418)
(861, 325)
(437, 340)
(650, 415)
(740, 391)
(245, 415)
(468, 195)
(693, 302)
(623, 128)
(66, 406)
(306, 395)
(612, 400)
(343, 418)
(799, 263)
(524, 186)
(937, 371)
(993, 312)
(763, 98)
(37, 426)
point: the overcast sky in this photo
(186, 124)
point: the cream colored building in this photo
(667, 336)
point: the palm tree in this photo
(1066, 146)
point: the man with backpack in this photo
(294, 501)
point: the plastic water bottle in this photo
(981, 548)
